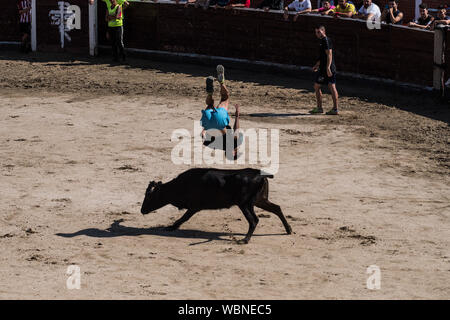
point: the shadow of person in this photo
(269, 114)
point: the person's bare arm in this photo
(418, 26)
(447, 22)
(301, 12)
(316, 66)
(329, 53)
(397, 18)
(343, 14)
(304, 11)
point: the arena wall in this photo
(48, 36)
(396, 53)
(9, 21)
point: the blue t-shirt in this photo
(213, 118)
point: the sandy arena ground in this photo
(80, 140)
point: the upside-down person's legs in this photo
(224, 96)
(236, 135)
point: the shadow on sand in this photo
(419, 102)
(118, 230)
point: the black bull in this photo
(209, 189)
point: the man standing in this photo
(115, 26)
(325, 70)
(369, 11)
(24, 7)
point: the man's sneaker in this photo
(210, 85)
(220, 73)
(316, 111)
(332, 112)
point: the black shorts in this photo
(237, 141)
(321, 78)
(25, 27)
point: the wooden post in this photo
(33, 26)
(93, 34)
(438, 70)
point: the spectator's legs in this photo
(113, 35)
(335, 95)
(120, 43)
(25, 45)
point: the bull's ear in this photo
(151, 184)
(159, 183)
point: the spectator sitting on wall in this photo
(299, 6)
(325, 9)
(442, 18)
(343, 9)
(369, 11)
(391, 14)
(425, 19)
(271, 5)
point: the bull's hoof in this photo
(242, 241)
(289, 230)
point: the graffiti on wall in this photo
(66, 18)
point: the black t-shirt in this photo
(425, 22)
(326, 44)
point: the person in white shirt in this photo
(369, 11)
(299, 6)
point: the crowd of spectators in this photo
(359, 9)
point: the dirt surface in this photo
(80, 139)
